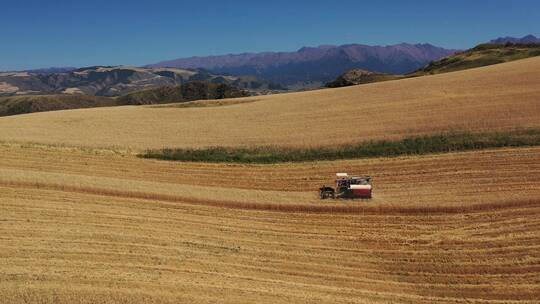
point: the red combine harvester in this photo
(348, 187)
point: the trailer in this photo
(348, 187)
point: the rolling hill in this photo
(358, 76)
(183, 93)
(497, 97)
(190, 91)
(481, 55)
(14, 105)
(498, 51)
(115, 81)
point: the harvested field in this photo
(435, 176)
(82, 226)
(493, 98)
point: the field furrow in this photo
(109, 223)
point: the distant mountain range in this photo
(479, 56)
(114, 81)
(316, 64)
(523, 40)
(51, 70)
(267, 72)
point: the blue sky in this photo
(37, 34)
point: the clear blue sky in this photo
(43, 33)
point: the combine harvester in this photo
(348, 187)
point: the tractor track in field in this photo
(450, 258)
(83, 227)
(348, 206)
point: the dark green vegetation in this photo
(40, 103)
(481, 55)
(207, 103)
(446, 142)
(190, 91)
(358, 76)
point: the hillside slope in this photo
(498, 97)
(186, 92)
(358, 76)
(15, 105)
(182, 94)
(479, 56)
(115, 81)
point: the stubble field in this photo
(80, 227)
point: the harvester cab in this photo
(348, 187)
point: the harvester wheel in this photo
(326, 192)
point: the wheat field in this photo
(498, 97)
(96, 227)
(83, 220)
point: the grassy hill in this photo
(116, 81)
(184, 93)
(481, 55)
(42, 103)
(357, 76)
(190, 91)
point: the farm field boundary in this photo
(419, 145)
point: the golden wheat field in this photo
(497, 97)
(81, 222)
(83, 227)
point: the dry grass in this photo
(494, 98)
(83, 227)
(7, 88)
(206, 103)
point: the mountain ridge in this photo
(523, 40)
(316, 64)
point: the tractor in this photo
(349, 187)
